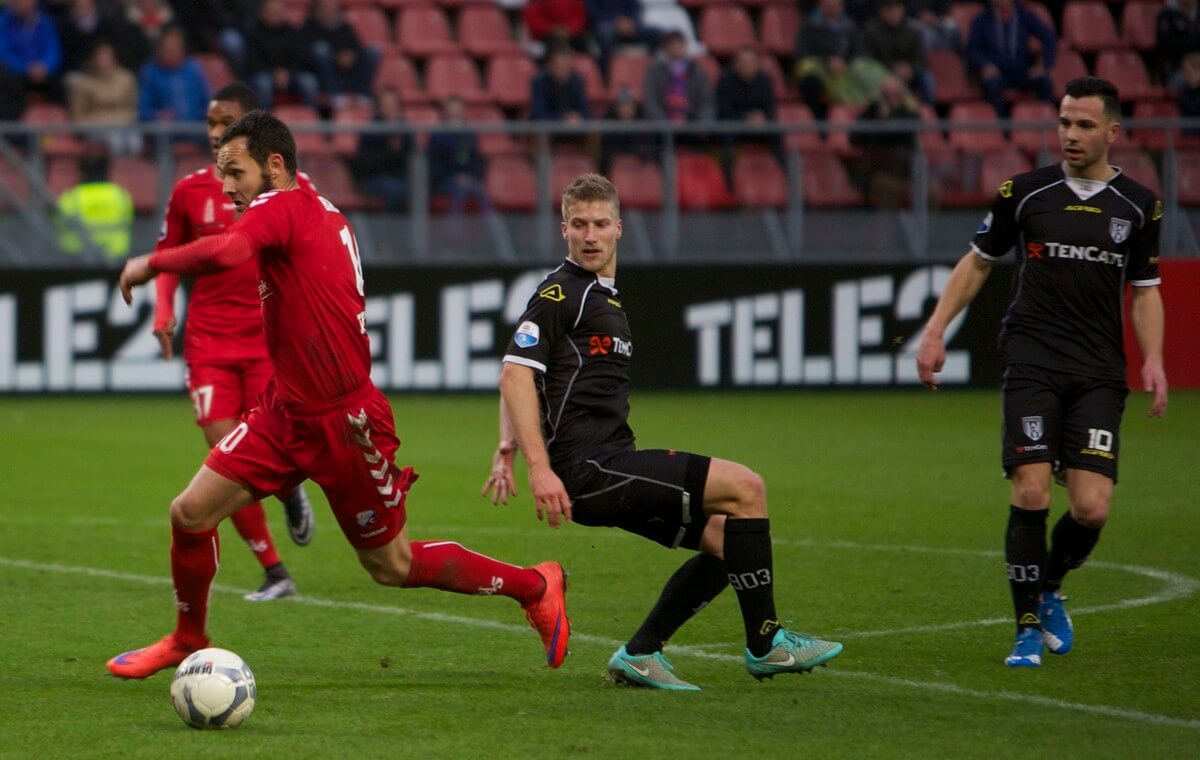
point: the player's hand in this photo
(137, 271)
(1154, 380)
(550, 496)
(500, 483)
(164, 335)
(931, 357)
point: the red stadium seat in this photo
(191, 163)
(951, 84)
(770, 66)
(701, 183)
(711, 68)
(492, 143)
(1155, 139)
(398, 73)
(1069, 66)
(1088, 26)
(1187, 168)
(839, 140)
(998, 168)
(447, 75)
(422, 114)
(725, 28)
(333, 181)
(627, 71)
(346, 143)
(62, 173)
(778, 27)
(217, 72)
(484, 30)
(371, 26)
(512, 183)
(593, 83)
(798, 113)
(826, 183)
(309, 144)
(424, 30)
(931, 139)
(564, 168)
(1138, 24)
(1125, 69)
(759, 181)
(1138, 166)
(140, 177)
(508, 79)
(58, 143)
(963, 14)
(641, 183)
(975, 140)
(1033, 140)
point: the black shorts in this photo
(654, 493)
(1071, 421)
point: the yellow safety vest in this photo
(104, 209)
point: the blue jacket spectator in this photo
(29, 43)
(999, 53)
(172, 86)
(558, 93)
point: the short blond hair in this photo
(590, 187)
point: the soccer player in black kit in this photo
(1081, 229)
(564, 403)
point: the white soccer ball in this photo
(213, 688)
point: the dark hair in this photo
(239, 93)
(1095, 87)
(265, 134)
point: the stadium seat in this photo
(1138, 166)
(491, 143)
(1069, 66)
(62, 173)
(759, 181)
(770, 66)
(1088, 26)
(447, 75)
(826, 183)
(1155, 139)
(725, 28)
(951, 84)
(308, 144)
(1125, 69)
(641, 183)
(217, 72)
(931, 139)
(627, 71)
(565, 166)
(778, 26)
(1032, 141)
(711, 68)
(424, 30)
(140, 177)
(1138, 24)
(371, 26)
(511, 183)
(334, 182)
(296, 13)
(346, 143)
(508, 78)
(593, 83)
(189, 164)
(975, 140)
(700, 183)
(484, 30)
(422, 114)
(398, 73)
(839, 140)
(998, 168)
(798, 113)
(963, 14)
(1187, 168)
(58, 143)
(14, 189)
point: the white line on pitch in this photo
(944, 688)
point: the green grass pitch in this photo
(887, 511)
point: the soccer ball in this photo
(213, 688)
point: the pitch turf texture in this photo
(887, 512)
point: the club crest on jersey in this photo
(1032, 427)
(365, 518)
(527, 335)
(1119, 229)
(985, 225)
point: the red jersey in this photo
(311, 286)
(224, 323)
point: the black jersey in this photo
(575, 335)
(1077, 243)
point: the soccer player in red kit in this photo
(321, 417)
(224, 348)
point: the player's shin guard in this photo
(195, 557)
(1025, 561)
(749, 567)
(449, 566)
(696, 583)
(1070, 545)
(251, 524)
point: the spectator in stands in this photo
(555, 23)
(885, 158)
(893, 39)
(345, 67)
(1000, 55)
(745, 92)
(616, 24)
(455, 165)
(1189, 93)
(30, 48)
(151, 16)
(276, 60)
(935, 25)
(641, 145)
(675, 87)
(1178, 33)
(96, 210)
(558, 93)
(218, 25)
(381, 162)
(829, 63)
(84, 23)
(172, 85)
(106, 93)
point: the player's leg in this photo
(195, 556)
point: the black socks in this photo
(748, 564)
(1070, 545)
(696, 583)
(1025, 561)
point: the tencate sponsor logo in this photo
(1084, 253)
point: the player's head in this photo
(591, 223)
(228, 104)
(1088, 122)
(257, 154)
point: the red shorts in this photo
(347, 448)
(227, 390)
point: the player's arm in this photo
(500, 483)
(1146, 312)
(203, 256)
(518, 394)
(174, 232)
(965, 281)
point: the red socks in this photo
(449, 566)
(251, 524)
(194, 560)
